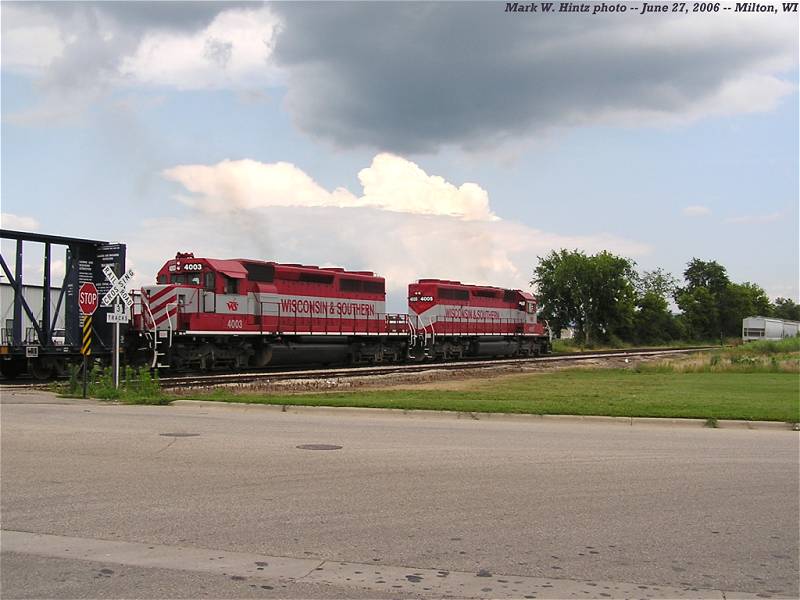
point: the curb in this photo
(471, 416)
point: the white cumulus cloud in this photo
(696, 211)
(747, 219)
(390, 183)
(20, 26)
(232, 51)
(18, 222)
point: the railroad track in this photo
(190, 381)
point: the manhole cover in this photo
(319, 447)
(179, 434)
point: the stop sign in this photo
(87, 298)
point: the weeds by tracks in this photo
(137, 386)
(781, 356)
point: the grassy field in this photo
(770, 396)
(756, 357)
(572, 346)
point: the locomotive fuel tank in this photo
(291, 353)
(490, 347)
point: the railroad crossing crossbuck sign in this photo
(118, 291)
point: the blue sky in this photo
(462, 144)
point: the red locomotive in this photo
(208, 313)
(459, 320)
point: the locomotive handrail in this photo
(152, 318)
(154, 333)
(177, 306)
(460, 325)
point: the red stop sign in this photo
(87, 298)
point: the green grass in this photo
(571, 346)
(136, 386)
(718, 395)
(767, 347)
(755, 357)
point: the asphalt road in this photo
(133, 501)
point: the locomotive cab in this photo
(177, 293)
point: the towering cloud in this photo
(390, 183)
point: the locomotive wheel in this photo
(40, 369)
(59, 368)
(10, 369)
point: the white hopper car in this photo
(767, 328)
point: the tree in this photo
(743, 300)
(702, 298)
(653, 321)
(757, 301)
(715, 306)
(595, 294)
(707, 274)
(700, 312)
(657, 281)
(785, 308)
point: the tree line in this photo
(606, 300)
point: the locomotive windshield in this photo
(185, 278)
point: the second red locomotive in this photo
(471, 320)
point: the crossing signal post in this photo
(86, 338)
(116, 296)
(86, 349)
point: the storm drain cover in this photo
(319, 447)
(179, 434)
